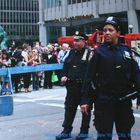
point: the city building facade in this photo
(19, 18)
(63, 17)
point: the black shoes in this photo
(81, 136)
(67, 134)
(63, 135)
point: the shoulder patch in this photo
(133, 56)
(90, 55)
(127, 54)
(85, 54)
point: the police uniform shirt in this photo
(76, 63)
(113, 70)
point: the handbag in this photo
(54, 77)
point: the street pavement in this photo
(38, 115)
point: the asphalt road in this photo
(39, 115)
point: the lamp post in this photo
(42, 33)
(130, 28)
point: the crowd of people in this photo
(27, 55)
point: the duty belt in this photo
(76, 80)
(132, 95)
(113, 90)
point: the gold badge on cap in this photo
(77, 32)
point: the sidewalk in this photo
(38, 115)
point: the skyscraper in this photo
(19, 19)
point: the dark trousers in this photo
(47, 79)
(72, 101)
(108, 114)
(16, 80)
(27, 79)
(35, 81)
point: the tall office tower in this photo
(19, 19)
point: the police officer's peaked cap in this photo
(113, 21)
(79, 35)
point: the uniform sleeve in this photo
(89, 77)
(136, 75)
(65, 69)
(66, 65)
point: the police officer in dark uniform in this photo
(114, 72)
(74, 70)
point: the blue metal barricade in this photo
(6, 105)
(6, 101)
(7, 80)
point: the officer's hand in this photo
(138, 106)
(138, 103)
(64, 79)
(84, 108)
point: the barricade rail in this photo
(6, 101)
(27, 69)
(7, 72)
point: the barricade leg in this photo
(6, 100)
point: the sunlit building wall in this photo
(62, 17)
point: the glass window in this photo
(58, 2)
(85, 0)
(36, 17)
(78, 1)
(8, 5)
(4, 5)
(10, 16)
(16, 4)
(0, 4)
(73, 1)
(1, 19)
(13, 7)
(34, 28)
(35, 5)
(52, 3)
(30, 17)
(69, 1)
(48, 3)
(30, 30)
(27, 5)
(24, 4)
(4, 16)
(16, 17)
